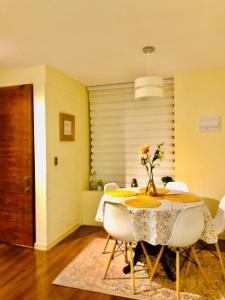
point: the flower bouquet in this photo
(150, 162)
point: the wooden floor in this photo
(27, 274)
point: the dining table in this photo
(153, 217)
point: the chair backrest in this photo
(222, 203)
(219, 219)
(117, 222)
(177, 185)
(188, 227)
(110, 186)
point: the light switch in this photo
(55, 160)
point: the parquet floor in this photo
(27, 274)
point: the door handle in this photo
(26, 180)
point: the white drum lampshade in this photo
(149, 86)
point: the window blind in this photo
(120, 125)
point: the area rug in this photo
(86, 272)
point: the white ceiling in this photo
(100, 41)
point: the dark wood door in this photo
(16, 165)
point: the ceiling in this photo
(100, 41)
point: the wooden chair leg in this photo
(177, 274)
(188, 268)
(106, 244)
(147, 256)
(110, 259)
(199, 265)
(188, 263)
(156, 262)
(132, 268)
(220, 259)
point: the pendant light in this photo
(148, 86)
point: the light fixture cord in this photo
(148, 63)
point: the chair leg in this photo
(147, 256)
(156, 263)
(190, 260)
(188, 268)
(220, 259)
(126, 258)
(110, 259)
(106, 244)
(132, 268)
(199, 265)
(177, 274)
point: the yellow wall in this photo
(65, 181)
(36, 76)
(200, 156)
(90, 203)
(58, 189)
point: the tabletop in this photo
(154, 225)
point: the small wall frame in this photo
(67, 127)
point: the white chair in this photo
(219, 222)
(186, 232)
(219, 219)
(177, 185)
(109, 187)
(117, 222)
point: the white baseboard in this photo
(40, 246)
(92, 224)
(49, 245)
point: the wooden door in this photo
(16, 165)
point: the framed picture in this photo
(67, 127)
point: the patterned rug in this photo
(86, 272)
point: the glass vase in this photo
(150, 188)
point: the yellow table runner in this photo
(143, 201)
(121, 193)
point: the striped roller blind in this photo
(119, 125)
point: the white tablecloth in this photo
(154, 225)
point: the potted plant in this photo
(166, 179)
(100, 185)
(93, 181)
